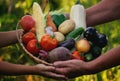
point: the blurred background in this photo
(12, 10)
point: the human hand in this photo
(48, 71)
(71, 68)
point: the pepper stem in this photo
(78, 2)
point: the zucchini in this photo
(75, 33)
(69, 44)
(96, 51)
(39, 19)
(88, 56)
(78, 14)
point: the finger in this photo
(50, 68)
(62, 71)
(60, 64)
(54, 75)
(66, 72)
(45, 67)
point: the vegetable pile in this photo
(53, 37)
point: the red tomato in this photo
(27, 22)
(32, 47)
(76, 55)
(27, 37)
(48, 43)
(33, 30)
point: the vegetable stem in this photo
(78, 2)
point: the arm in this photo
(105, 61)
(15, 69)
(39, 69)
(104, 11)
(8, 38)
(75, 68)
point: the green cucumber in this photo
(75, 33)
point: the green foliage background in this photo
(14, 54)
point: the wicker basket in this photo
(19, 37)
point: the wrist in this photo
(91, 67)
(29, 70)
(34, 70)
(86, 68)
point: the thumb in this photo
(50, 68)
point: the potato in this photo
(59, 36)
(59, 54)
(66, 27)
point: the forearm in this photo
(105, 61)
(15, 69)
(8, 38)
(104, 11)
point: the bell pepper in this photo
(32, 47)
(77, 55)
(58, 19)
(48, 43)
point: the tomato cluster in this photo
(29, 39)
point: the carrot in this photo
(0, 58)
(50, 22)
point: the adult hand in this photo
(71, 68)
(48, 71)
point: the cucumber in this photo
(39, 19)
(75, 33)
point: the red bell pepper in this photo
(77, 55)
(48, 43)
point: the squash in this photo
(78, 14)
